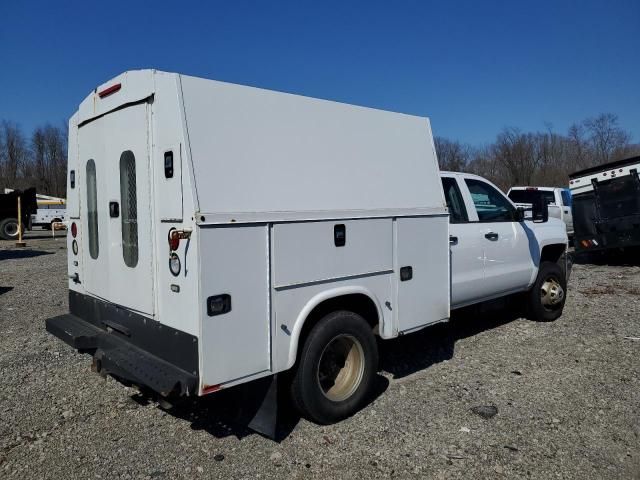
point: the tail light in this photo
(174, 240)
(176, 235)
(74, 229)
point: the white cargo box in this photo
(286, 206)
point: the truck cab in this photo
(558, 199)
(496, 250)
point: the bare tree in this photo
(452, 155)
(14, 155)
(606, 137)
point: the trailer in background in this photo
(606, 206)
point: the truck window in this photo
(531, 196)
(566, 197)
(92, 209)
(129, 201)
(457, 210)
(491, 205)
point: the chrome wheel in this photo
(551, 293)
(341, 368)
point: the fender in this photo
(317, 300)
(552, 232)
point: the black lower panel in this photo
(117, 357)
(174, 346)
(130, 346)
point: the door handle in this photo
(114, 209)
(453, 240)
(491, 236)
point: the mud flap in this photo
(259, 406)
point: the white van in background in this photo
(558, 199)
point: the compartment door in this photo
(422, 271)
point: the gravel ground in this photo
(567, 396)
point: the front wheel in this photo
(336, 369)
(547, 296)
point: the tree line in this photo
(540, 158)
(515, 157)
(39, 161)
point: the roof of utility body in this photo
(604, 167)
(260, 155)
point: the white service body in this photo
(260, 182)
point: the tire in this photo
(336, 369)
(9, 229)
(547, 296)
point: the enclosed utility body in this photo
(606, 206)
(222, 233)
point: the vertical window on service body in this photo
(92, 209)
(129, 201)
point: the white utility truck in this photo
(558, 200)
(223, 233)
(51, 211)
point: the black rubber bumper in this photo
(121, 351)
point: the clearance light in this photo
(74, 247)
(74, 229)
(110, 90)
(585, 243)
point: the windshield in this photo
(531, 196)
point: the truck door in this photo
(116, 218)
(466, 243)
(508, 262)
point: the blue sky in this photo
(473, 67)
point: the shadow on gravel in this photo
(21, 253)
(406, 355)
(5, 290)
(229, 412)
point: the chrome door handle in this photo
(491, 236)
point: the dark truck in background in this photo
(606, 206)
(9, 212)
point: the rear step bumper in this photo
(129, 346)
(117, 357)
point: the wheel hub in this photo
(341, 368)
(551, 292)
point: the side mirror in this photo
(520, 214)
(540, 211)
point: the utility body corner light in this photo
(175, 235)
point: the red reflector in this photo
(211, 388)
(109, 90)
(74, 230)
(174, 239)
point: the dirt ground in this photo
(567, 396)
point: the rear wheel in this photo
(548, 294)
(336, 369)
(9, 229)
